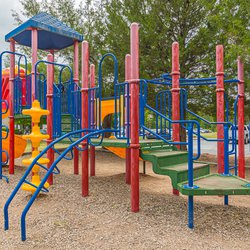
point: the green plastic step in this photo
(217, 184)
(173, 164)
(163, 157)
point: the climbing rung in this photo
(43, 189)
(7, 158)
(45, 168)
(65, 157)
(4, 177)
(7, 107)
(7, 132)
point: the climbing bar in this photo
(43, 189)
(45, 168)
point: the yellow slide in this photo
(20, 145)
(108, 108)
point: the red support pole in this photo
(34, 46)
(50, 80)
(220, 105)
(76, 80)
(128, 153)
(11, 108)
(92, 148)
(175, 96)
(134, 111)
(241, 141)
(84, 92)
(175, 91)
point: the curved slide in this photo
(108, 107)
(20, 145)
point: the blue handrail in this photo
(177, 122)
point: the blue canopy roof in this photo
(52, 33)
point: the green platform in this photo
(217, 184)
(119, 143)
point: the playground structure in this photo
(88, 107)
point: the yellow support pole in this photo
(35, 137)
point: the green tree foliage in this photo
(198, 26)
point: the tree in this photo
(198, 25)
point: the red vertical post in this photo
(84, 92)
(220, 105)
(50, 80)
(175, 96)
(11, 108)
(175, 91)
(34, 46)
(92, 107)
(134, 111)
(127, 122)
(76, 80)
(241, 141)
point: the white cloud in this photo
(6, 20)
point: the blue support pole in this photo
(226, 157)
(190, 211)
(190, 176)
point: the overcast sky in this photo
(6, 20)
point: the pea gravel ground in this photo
(63, 219)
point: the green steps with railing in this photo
(172, 163)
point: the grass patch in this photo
(210, 135)
(44, 144)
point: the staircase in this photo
(168, 161)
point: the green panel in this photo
(217, 184)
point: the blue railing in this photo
(184, 107)
(164, 106)
(62, 95)
(121, 107)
